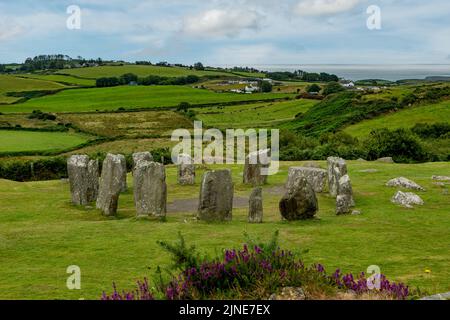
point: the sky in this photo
(232, 32)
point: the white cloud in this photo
(324, 7)
(219, 22)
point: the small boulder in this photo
(407, 199)
(386, 160)
(255, 210)
(299, 202)
(440, 178)
(316, 177)
(404, 183)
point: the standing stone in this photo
(150, 189)
(254, 162)
(186, 170)
(316, 177)
(123, 173)
(299, 202)
(111, 184)
(336, 169)
(83, 178)
(216, 196)
(255, 210)
(344, 200)
(139, 156)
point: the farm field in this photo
(131, 97)
(139, 70)
(61, 79)
(15, 84)
(17, 141)
(258, 115)
(42, 235)
(406, 118)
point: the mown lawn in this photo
(129, 97)
(41, 234)
(16, 84)
(15, 141)
(406, 118)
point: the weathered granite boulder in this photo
(404, 183)
(216, 196)
(299, 202)
(254, 162)
(139, 156)
(150, 189)
(386, 160)
(255, 210)
(407, 199)
(316, 177)
(344, 200)
(83, 178)
(337, 168)
(440, 178)
(111, 184)
(123, 174)
(186, 170)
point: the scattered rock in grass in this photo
(299, 202)
(254, 163)
(361, 159)
(141, 156)
(407, 199)
(344, 200)
(356, 212)
(440, 178)
(186, 170)
(289, 293)
(368, 171)
(216, 196)
(83, 179)
(440, 184)
(386, 160)
(150, 189)
(316, 177)
(336, 169)
(405, 183)
(255, 210)
(111, 184)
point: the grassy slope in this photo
(16, 84)
(79, 100)
(61, 79)
(142, 71)
(13, 141)
(403, 119)
(259, 115)
(42, 234)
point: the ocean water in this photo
(361, 72)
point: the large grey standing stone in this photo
(186, 170)
(254, 162)
(405, 183)
(407, 199)
(111, 184)
(316, 177)
(123, 174)
(344, 200)
(255, 210)
(83, 178)
(216, 196)
(150, 189)
(336, 169)
(139, 156)
(299, 202)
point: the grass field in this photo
(129, 97)
(406, 118)
(42, 234)
(16, 84)
(139, 70)
(15, 141)
(258, 115)
(61, 79)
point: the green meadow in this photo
(131, 97)
(42, 234)
(61, 79)
(18, 141)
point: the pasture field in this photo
(12, 120)
(258, 115)
(405, 118)
(131, 97)
(16, 84)
(61, 79)
(139, 70)
(17, 141)
(42, 234)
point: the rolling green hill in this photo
(61, 79)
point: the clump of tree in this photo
(313, 88)
(301, 75)
(38, 114)
(199, 66)
(131, 78)
(266, 86)
(332, 87)
(2, 68)
(143, 63)
(56, 61)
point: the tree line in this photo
(131, 78)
